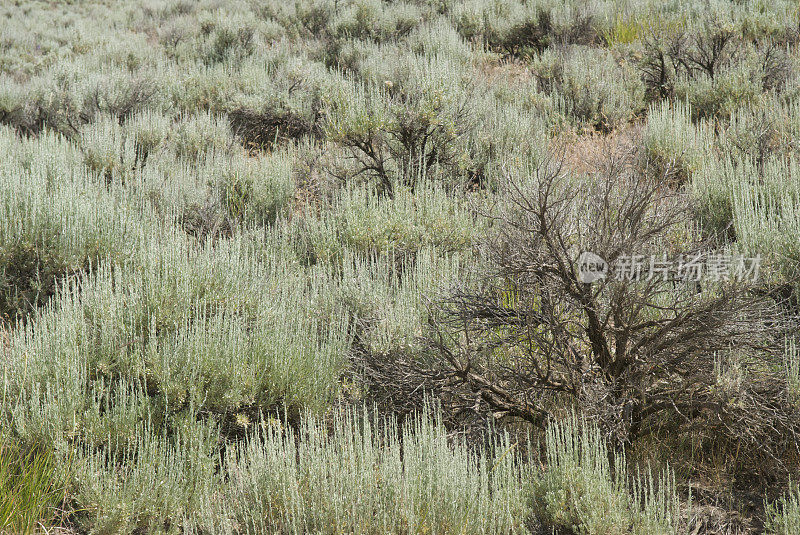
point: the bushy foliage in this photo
(753, 202)
(399, 133)
(784, 516)
(673, 144)
(55, 222)
(590, 86)
(195, 136)
(586, 489)
(357, 479)
(371, 225)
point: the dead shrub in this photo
(268, 127)
(528, 337)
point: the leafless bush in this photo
(708, 50)
(529, 36)
(260, 129)
(635, 355)
(776, 65)
(658, 65)
(402, 384)
(667, 57)
(207, 221)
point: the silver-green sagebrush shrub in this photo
(410, 220)
(672, 142)
(754, 203)
(357, 118)
(764, 130)
(509, 25)
(783, 516)
(51, 100)
(278, 99)
(12, 103)
(360, 479)
(388, 300)
(107, 150)
(505, 136)
(201, 88)
(196, 135)
(225, 38)
(721, 95)
(439, 38)
(587, 489)
(212, 214)
(712, 187)
(55, 220)
(119, 94)
(376, 20)
(149, 130)
(371, 225)
(766, 215)
(590, 86)
(209, 332)
(159, 485)
(792, 356)
(252, 190)
(299, 19)
(179, 192)
(397, 131)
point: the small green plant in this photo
(621, 31)
(29, 490)
(783, 516)
(793, 370)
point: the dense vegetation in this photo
(310, 266)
